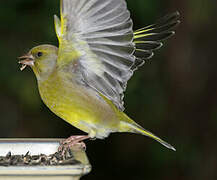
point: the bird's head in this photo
(42, 59)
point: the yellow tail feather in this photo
(138, 129)
(131, 126)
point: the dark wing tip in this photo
(149, 38)
(177, 13)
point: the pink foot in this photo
(72, 141)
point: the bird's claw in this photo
(73, 141)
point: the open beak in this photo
(26, 60)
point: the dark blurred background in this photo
(174, 94)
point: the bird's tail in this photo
(128, 125)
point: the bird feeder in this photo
(22, 159)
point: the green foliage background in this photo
(173, 95)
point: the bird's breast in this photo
(75, 103)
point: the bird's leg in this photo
(72, 141)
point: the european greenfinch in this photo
(83, 81)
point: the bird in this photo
(84, 79)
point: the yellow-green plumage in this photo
(85, 109)
(79, 107)
(83, 80)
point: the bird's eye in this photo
(39, 54)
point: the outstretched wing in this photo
(97, 42)
(150, 38)
(99, 35)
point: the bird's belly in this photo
(81, 107)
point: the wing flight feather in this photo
(97, 37)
